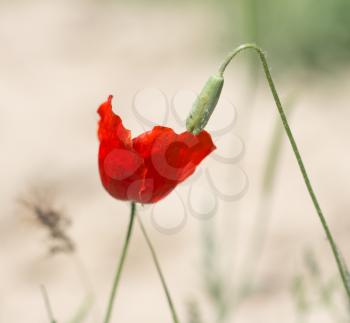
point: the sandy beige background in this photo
(58, 61)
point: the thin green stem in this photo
(120, 264)
(337, 256)
(47, 304)
(160, 273)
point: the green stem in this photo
(160, 273)
(47, 304)
(120, 264)
(333, 245)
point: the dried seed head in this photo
(41, 206)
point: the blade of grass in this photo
(263, 214)
(194, 315)
(83, 310)
(47, 304)
(213, 279)
(89, 300)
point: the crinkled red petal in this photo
(111, 127)
(169, 158)
(149, 167)
(122, 170)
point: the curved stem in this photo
(337, 256)
(120, 264)
(160, 273)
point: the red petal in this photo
(110, 126)
(169, 159)
(121, 169)
(149, 167)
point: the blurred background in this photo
(240, 241)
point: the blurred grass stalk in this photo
(215, 283)
(193, 311)
(298, 291)
(47, 304)
(309, 292)
(83, 310)
(263, 215)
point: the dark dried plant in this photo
(40, 203)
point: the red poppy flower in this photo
(147, 168)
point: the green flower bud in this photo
(205, 104)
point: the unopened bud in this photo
(205, 104)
